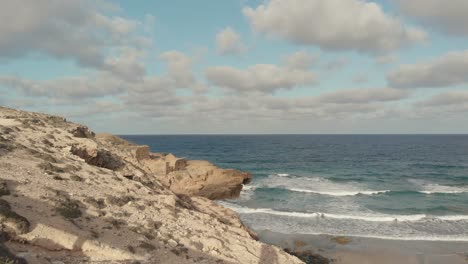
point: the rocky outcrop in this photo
(101, 199)
(82, 132)
(196, 178)
(142, 153)
(184, 177)
(97, 157)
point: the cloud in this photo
(127, 64)
(260, 107)
(66, 87)
(360, 78)
(229, 42)
(263, 78)
(180, 73)
(333, 25)
(98, 108)
(358, 96)
(337, 64)
(449, 17)
(445, 106)
(300, 60)
(450, 98)
(94, 84)
(151, 93)
(350, 103)
(75, 30)
(386, 59)
(447, 70)
(179, 68)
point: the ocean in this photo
(405, 187)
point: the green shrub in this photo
(49, 167)
(68, 208)
(147, 246)
(98, 203)
(11, 218)
(76, 178)
(4, 188)
(120, 201)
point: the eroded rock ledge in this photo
(70, 196)
(187, 177)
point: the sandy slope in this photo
(112, 202)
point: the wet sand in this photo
(359, 250)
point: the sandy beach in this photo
(359, 250)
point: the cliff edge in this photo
(70, 196)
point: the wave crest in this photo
(340, 193)
(371, 218)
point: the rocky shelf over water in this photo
(70, 196)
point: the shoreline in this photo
(358, 250)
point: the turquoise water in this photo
(389, 186)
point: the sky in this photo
(240, 66)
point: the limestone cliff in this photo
(70, 196)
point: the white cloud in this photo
(229, 42)
(300, 60)
(180, 73)
(264, 78)
(64, 29)
(446, 105)
(179, 68)
(113, 83)
(151, 93)
(333, 24)
(447, 70)
(358, 96)
(98, 108)
(128, 64)
(450, 98)
(386, 59)
(360, 78)
(449, 16)
(337, 64)
(66, 87)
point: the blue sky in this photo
(210, 66)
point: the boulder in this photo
(82, 132)
(142, 153)
(201, 178)
(175, 163)
(97, 157)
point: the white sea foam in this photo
(434, 188)
(248, 187)
(339, 193)
(451, 217)
(317, 185)
(371, 218)
(400, 238)
(282, 174)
